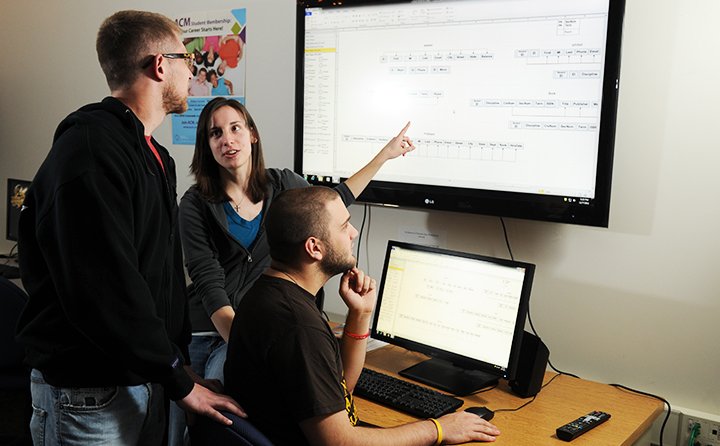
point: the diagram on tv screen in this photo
(500, 97)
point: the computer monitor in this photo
(16, 190)
(465, 311)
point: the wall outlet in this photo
(708, 435)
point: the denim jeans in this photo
(122, 415)
(207, 357)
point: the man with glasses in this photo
(106, 327)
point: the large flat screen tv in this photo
(512, 102)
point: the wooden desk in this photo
(562, 401)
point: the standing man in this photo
(284, 363)
(106, 326)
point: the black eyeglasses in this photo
(188, 57)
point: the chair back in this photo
(12, 302)
(208, 432)
(15, 399)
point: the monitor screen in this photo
(512, 102)
(15, 196)
(466, 311)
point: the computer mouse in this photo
(481, 411)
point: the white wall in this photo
(636, 303)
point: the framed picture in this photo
(16, 190)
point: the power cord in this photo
(11, 255)
(359, 240)
(367, 239)
(669, 409)
(507, 240)
(533, 398)
(694, 432)
(484, 389)
(559, 372)
(532, 326)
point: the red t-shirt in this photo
(154, 151)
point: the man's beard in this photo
(334, 263)
(173, 102)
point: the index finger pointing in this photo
(402, 132)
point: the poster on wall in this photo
(217, 39)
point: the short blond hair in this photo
(127, 38)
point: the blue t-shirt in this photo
(243, 230)
(221, 89)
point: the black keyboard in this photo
(404, 396)
(9, 271)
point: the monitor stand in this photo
(449, 377)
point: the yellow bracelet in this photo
(439, 430)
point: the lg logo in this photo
(429, 201)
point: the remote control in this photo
(583, 424)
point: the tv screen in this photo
(512, 102)
(464, 310)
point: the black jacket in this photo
(221, 269)
(100, 258)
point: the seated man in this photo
(284, 364)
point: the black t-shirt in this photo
(283, 362)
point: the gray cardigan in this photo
(220, 268)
